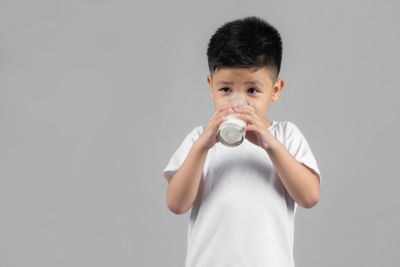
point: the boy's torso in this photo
(242, 214)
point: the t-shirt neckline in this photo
(269, 128)
(273, 124)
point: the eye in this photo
(253, 89)
(222, 89)
(226, 88)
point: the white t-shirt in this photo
(242, 214)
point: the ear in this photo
(278, 86)
(209, 81)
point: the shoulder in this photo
(287, 127)
(194, 133)
(287, 130)
(190, 138)
(197, 131)
(292, 128)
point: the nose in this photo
(239, 100)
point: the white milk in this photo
(230, 131)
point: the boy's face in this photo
(236, 81)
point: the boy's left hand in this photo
(256, 131)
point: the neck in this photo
(266, 122)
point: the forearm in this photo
(184, 185)
(301, 184)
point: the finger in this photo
(228, 111)
(224, 112)
(247, 118)
(246, 109)
(225, 105)
(220, 109)
(251, 113)
(215, 123)
(250, 127)
(220, 120)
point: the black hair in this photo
(249, 42)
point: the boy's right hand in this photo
(209, 136)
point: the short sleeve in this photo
(181, 153)
(298, 146)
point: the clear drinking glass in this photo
(230, 131)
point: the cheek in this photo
(260, 109)
(218, 101)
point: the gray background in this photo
(96, 96)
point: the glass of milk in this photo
(230, 131)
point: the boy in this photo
(243, 198)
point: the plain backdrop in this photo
(96, 96)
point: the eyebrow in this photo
(248, 82)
